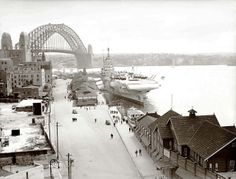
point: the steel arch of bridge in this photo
(41, 34)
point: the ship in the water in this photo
(128, 85)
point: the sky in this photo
(131, 26)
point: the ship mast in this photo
(107, 69)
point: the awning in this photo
(164, 162)
(145, 141)
(185, 174)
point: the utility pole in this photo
(70, 161)
(57, 125)
(49, 121)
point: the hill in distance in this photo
(151, 59)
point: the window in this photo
(233, 144)
(210, 166)
(185, 151)
(216, 166)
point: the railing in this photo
(191, 166)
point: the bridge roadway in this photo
(95, 154)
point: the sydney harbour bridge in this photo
(60, 38)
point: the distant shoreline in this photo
(124, 60)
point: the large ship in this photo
(128, 85)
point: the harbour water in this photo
(208, 89)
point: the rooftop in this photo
(146, 120)
(30, 137)
(164, 130)
(184, 127)
(207, 143)
(28, 102)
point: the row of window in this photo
(23, 76)
(26, 69)
(215, 167)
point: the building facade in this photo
(184, 147)
(6, 66)
(26, 73)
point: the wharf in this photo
(95, 153)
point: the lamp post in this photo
(57, 125)
(50, 166)
(49, 120)
(70, 161)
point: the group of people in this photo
(131, 129)
(89, 107)
(138, 152)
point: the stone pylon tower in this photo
(6, 42)
(84, 60)
(24, 46)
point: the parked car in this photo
(108, 122)
(74, 119)
(13, 107)
(74, 111)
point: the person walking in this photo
(111, 136)
(136, 153)
(140, 152)
(129, 129)
(95, 120)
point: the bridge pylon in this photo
(83, 60)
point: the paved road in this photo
(96, 155)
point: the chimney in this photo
(192, 112)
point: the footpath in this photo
(143, 161)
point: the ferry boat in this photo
(128, 85)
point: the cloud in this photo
(131, 26)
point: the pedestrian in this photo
(111, 136)
(140, 152)
(114, 124)
(95, 120)
(136, 153)
(129, 129)
(121, 122)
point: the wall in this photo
(36, 172)
(223, 157)
(22, 158)
(193, 167)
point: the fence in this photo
(36, 172)
(191, 166)
(26, 157)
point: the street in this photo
(95, 154)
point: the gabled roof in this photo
(185, 127)
(146, 120)
(154, 114)
(154, 123)
(210, 139)
(165, 117)
(164, 130)
(230, 128)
